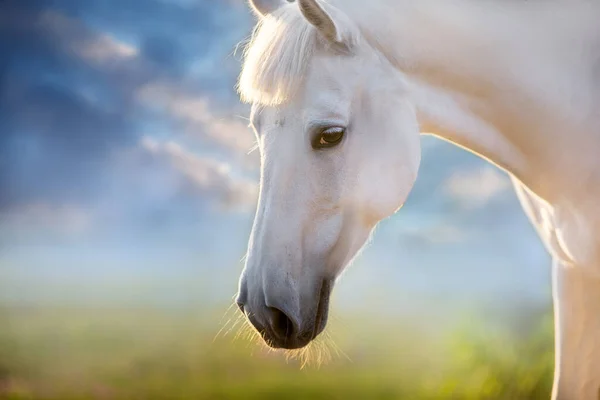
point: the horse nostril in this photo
(281, 324)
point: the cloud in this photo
(58, 144)
(62, 219)
(194, 111)
(202, 177)
(477, 187)
(153, 186)
(61, 111)
(69, 92)
(184, 40)
(99, 49)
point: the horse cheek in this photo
(383, 192)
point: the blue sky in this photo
(124, 163)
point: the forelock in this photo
(277, 56)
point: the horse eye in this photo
(328, 137)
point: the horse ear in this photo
(265, 7)
(320, 19)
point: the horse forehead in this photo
(334, 75)
(328, 94)
(324, 94)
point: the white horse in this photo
(341, 92)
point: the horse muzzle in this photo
(285, 324)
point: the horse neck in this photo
(493, 76)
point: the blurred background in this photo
(126, 198)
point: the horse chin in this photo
(295, 344)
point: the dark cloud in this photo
(180, 36)
(68, 90)
(58, 140)
(165, 52)
(55, 127)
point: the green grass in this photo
(86, 353)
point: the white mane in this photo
(277, 55)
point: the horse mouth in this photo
(321, 315)
(315, 329)
(323, 307)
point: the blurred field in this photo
(87, 353)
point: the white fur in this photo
(517, 83)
